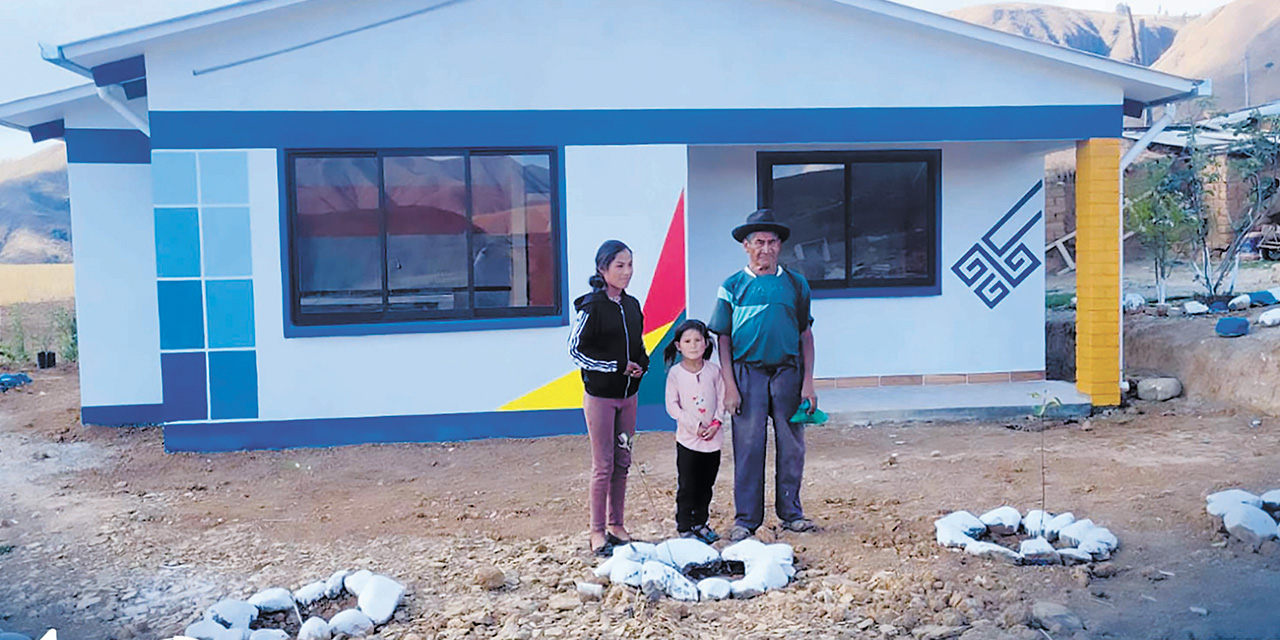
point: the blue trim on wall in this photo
(120, 71)
(876, 292)
(47, 130)
(121, 415)
(107, 146)
(292, 330)
(329, 432)
(135, 89)
(399, 129)
(185, 392)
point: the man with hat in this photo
(765, 343)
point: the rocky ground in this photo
(103, 535)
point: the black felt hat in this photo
(761, 220)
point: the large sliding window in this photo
(860, 221)
(401, 236)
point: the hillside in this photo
(1101, 33)
(35, 210)
(1214, 46)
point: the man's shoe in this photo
(705, 534)
(799, 525)
(739, 533)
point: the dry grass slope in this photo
(21, 283)
(1214, 47)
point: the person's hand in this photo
(732, 399)
(807, 392)
(634, 370)
(708, 432)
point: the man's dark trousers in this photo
(767, 392)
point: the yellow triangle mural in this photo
(566, 391)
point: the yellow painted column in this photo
(1098, 270)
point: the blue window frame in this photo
(863, 223)
(423, 238)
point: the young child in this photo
(695, 399)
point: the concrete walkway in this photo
(1001, 401)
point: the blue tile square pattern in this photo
(226, 242)
(177, 243)
(181, 314)
(230, 304)
(183, 376)
(233, 385)
(173, 178)
(224, 177)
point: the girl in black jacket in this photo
(606, 343)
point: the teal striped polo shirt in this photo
(763, 315)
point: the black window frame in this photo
(852, 287)
(389, 315)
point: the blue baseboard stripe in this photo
(396, 129)
(122, 415)
(208, 437)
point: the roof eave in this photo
(17, 114)
(81, 52)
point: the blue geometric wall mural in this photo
(994, 266)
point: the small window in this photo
(860, 221)
(403, 236)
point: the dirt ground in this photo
(103, 535)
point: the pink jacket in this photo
(695, 399)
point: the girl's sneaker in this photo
(705, 534)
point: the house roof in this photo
(28, 112)
(1141, 86)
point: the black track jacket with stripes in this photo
(604, 336)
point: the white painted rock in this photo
(269, 634)
(315, 629)
(352, 622)
(333, 586)
(1035, 522)
(236, 614)
(964, 522)
(684, 552)
(379, 598)
(1056, 524)
(1249, 524)
(1217, 504)
(355, 582)
(272, 600)
(714, 589)
(760, 577)
(1269, 318)
(743, 551)
(1134, 301)
(589, 590)
(1099, 542)
(1193, 308)
(1038, 551)
(310, 593)
(1074, 556)
(1240, 302)
(636, 551)
(1271, 499)
(625, 571)
(1159, 389)
(658, 577)
(949, 536)
(1072, 534)
(1002, 520)
(234, 634)
(993, 551)
(205, 629)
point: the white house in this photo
(318, 222)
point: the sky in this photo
(26, 23)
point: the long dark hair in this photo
(672, 353)
(604, 256)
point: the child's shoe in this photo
(705, 534)
(688, 534)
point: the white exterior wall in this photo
(628, 193)
(953, 332)
(597, 54)
(113, 231)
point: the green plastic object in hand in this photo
(803, 416)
